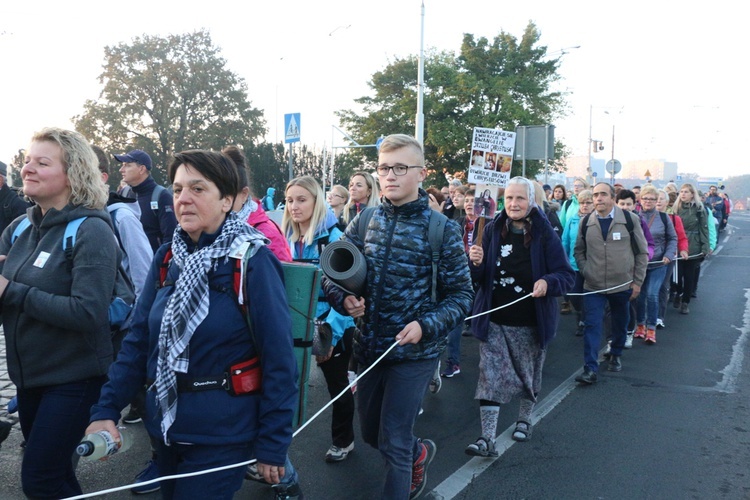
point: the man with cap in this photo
(11, 204)
(157, 210)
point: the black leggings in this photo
(687, 277)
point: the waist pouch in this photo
(241, 378)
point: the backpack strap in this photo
(435, 236)
(164, 269)
(630, 226)
(20, 228)
(364, 221)
(155, 195)
(584, 228)
(664, 219)
(69, 238)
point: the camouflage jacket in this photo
(399, 282)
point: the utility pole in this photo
(419, 132)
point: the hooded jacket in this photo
(54, 309)
(268, 203)
(137, 254)
(260, 221)
(399, 282)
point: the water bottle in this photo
(100, 445)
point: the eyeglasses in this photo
(585, 202)
(648, 199)
(340, 196)
(397, 169)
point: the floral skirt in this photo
(510, 364)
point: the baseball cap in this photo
(135, 156)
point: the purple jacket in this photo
(548, 262)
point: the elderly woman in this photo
(195, 326)
(54, 306)
(520, 255)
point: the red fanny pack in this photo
(244, 377)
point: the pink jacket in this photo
(260, 221)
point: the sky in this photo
(668, 77)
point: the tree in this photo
(503, 83)
(165, 95)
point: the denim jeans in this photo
(648, 300)
(454, 344)
(619, 305)
(666, 285)
(53, 420)
(389, 398)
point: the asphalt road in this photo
(675, 423)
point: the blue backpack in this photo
(123, 295)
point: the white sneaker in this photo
(660, 323)
(608, 348)
(336, 454)
(629, 341)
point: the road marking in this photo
(732, 371)
(459, 480)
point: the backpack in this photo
(155, 194)
(123, 294)
(629, 225)
(302, 284)
(434, 235)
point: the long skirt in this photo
(510, 364)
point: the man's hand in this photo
(684, 254)
(354, 307)
(411, 334)
(636, 291)
(103, 425)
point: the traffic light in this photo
(597, 146)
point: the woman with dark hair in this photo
(54, 305)
(520, 255)
(195, 326)
(250, 209)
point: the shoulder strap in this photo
(664, 219)
(155, 194)
(435, 236)
(364, 221)
(630, 226)
(20, 228)
(164, 268)
(69, 238)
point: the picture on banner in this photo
(485, 200)
(491, 156)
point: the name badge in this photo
(241, 251)
(41, 260)
(616, 236)
(154, 205)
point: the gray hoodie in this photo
(137, 255)
(54, 309)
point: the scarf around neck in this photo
(188, 305)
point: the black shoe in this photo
(588, 377)
(287, 492)
(5, 428)
(614, 365)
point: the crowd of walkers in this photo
(206, 358)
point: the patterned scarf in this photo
(188, 305)
(249, 207)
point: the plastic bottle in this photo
(101, 445)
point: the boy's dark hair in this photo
(103, 159)
(624, 194)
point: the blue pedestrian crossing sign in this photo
(291, 127)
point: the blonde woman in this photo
(695, 221)
(309, 226)
(54, 306)
(337, 198)
(363, 193)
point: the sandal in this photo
(482, 448)
(522, 432)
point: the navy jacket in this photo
(158, 224)
(548, 262)
(214, 417)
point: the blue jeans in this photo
(648, 300)
(183, 458)
(53, 420)
(389, 398)
(619, 306)
(454, 344)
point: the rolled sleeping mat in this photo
(343, 263)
